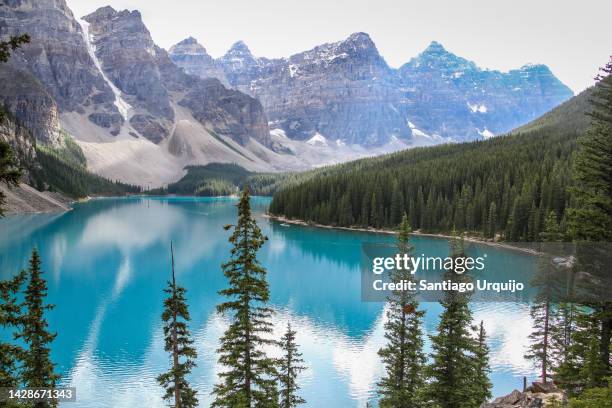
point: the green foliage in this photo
(215, 188)
(11, 45)
(539, 350)
(216, 179)
(599, 397)
(9, 167)
(458, 360)
(403, 383)
(9, 171)
(590, 220)
(38, 369)
(250, 378)
(503, 185)
(62, 170)
(10, 311)
(289, 367)
(481, 385)
(178, 343)
(590, 216)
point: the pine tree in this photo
(552, 230)
(403, 357)
(542, 312)
(10, 312)
(290, 365)
(452, 368)
(250, 377)
(38, 369)
(492, 220)
(590, 215)
(178, 343)
(480, 383)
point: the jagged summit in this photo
(188, 46)
(188, 41)
(435, 47)
(239, 48)
(361, 39)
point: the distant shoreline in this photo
(391, 232)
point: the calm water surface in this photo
(107, 263)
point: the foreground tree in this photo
(250, 379)
(599, 397)
(178, 343)
(403, 356)
(10, 310)
(38, 369)
(290, 365)
(590, 215)
(453, 368)
(480, 383)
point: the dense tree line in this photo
(456, 373)
(217, 179)
(571, 337)
(62, 171)
(505, 186)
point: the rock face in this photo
(61, 77)
(346, 92)
(454, 98)
(193, 58)
(151, 83)
(29, 103)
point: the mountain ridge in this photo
(322, 91)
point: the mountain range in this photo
(141, 114)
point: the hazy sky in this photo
(572, 37)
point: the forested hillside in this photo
(218, 179)
(506, 186)
(64, 170)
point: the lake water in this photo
(107, 263)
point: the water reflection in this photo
(108, 262)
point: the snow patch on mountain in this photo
(480, 108)
(123, 107)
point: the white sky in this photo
(572, 37)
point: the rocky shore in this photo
(26, 199)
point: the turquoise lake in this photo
(108, 261)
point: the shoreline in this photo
(391, 232)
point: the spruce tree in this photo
(38, 369)
(480, 383)
(403, 356)
(452, 368)
(10, 312)
(590, 214)
(250, 376)
(290, 365)
(178, 343)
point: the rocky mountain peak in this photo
(104, 12)
(239, 50)
(190, 55)
(435, 48)
(189, 46)
(361, 41)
